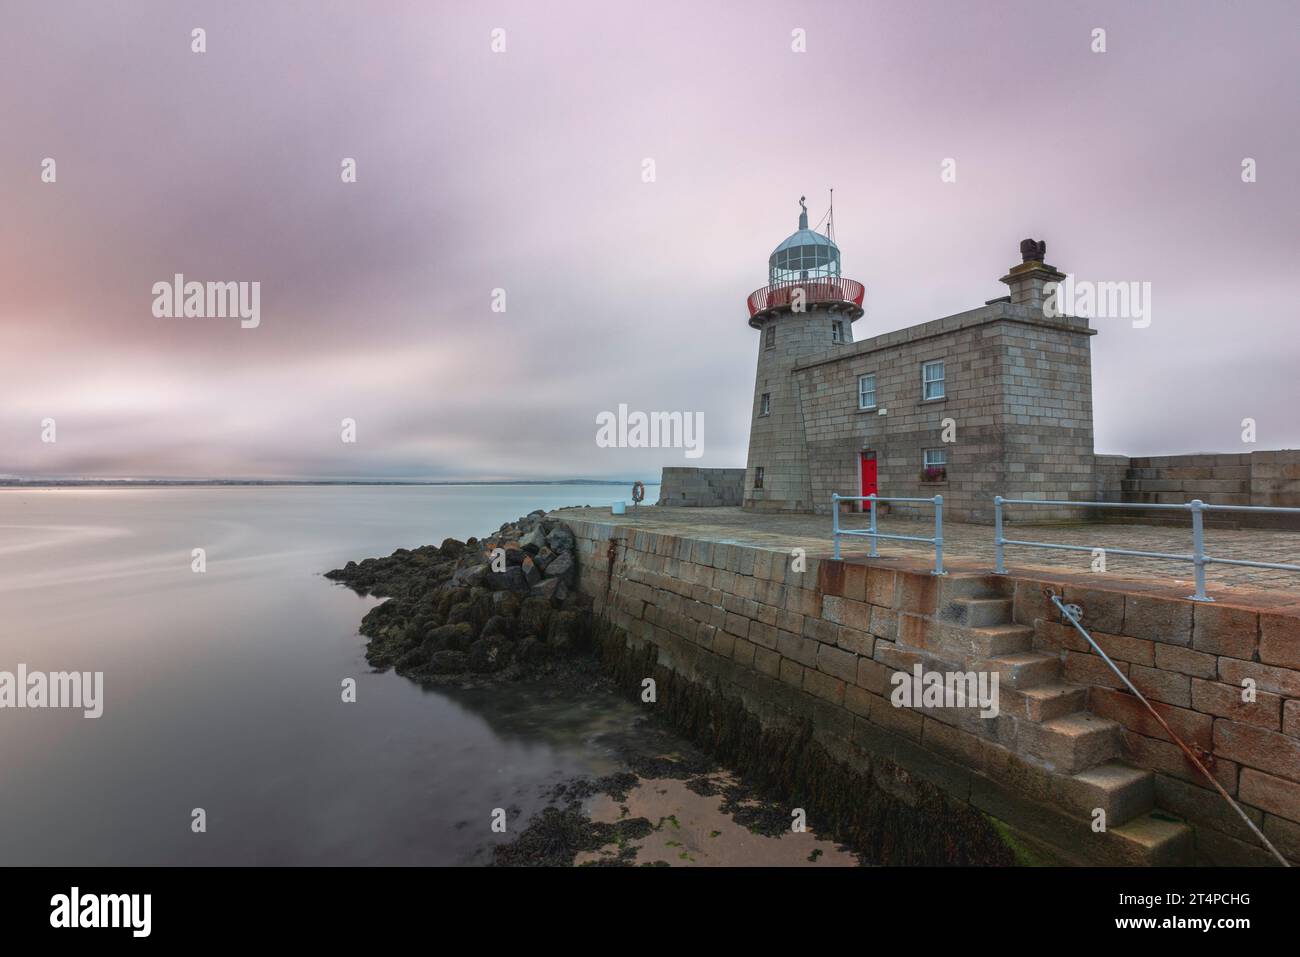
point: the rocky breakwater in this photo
(504, 605)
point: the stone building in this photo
(995, 400)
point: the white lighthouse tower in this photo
(806, 309)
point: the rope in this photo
(1191, 755)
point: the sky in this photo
(525, 171)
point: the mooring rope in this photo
(1191, 755)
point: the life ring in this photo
(638, 492)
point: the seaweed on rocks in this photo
(556, 836)
(504, 606)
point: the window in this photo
(765, 404)
(769, 337)
(932, 380)
(837, 331)
(866, 391)
(934, 465)
(758, 476)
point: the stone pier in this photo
(1072, 765)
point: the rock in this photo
(534, 541)
(531, 573)
(532, 651)
(456, 637)
(448, 613)
(414, 658)
(488, 654)
(471, 575)
(462, 613)
(562, 566)
(505, 604)
(534, 616)
(449, 662)
(545, 589)
(564, 631)
(512, 579)
(561, 539)
(497, 625)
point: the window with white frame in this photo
(769, 340)
(934, 465)
(867, 391)
(837, 330)
(932, 380)
(765, 404)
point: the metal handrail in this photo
(1198, 557)
(874, 535)
(1072, 613)
(818, 289)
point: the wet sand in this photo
(693, 830)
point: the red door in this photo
(868, 470)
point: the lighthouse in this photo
(806, 309)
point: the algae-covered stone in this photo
(456, 636)
(449, 662)
(448, 613)
(489, 654)
(534, 616)
(564, 630)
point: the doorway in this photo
(867, 476)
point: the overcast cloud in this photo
(522, 171)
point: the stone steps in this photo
(994, 640)
(1122, 791)
(1043, 702)
(1045, 721)
(1071, 743)
(1020, 669)
(1152, 840)
(977, 612)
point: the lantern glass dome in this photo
(805, 254)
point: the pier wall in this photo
(821, 645)
(1264, 478)
(701, 488)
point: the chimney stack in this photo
(1027, 278)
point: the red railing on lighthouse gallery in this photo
(826, 289)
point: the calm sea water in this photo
(222, 690)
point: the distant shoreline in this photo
(217, 483)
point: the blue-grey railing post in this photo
(999, 568)
(938, 535)
(835, 521)
(1198, 548)
(874, 553)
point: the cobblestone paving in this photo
(971, 546)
